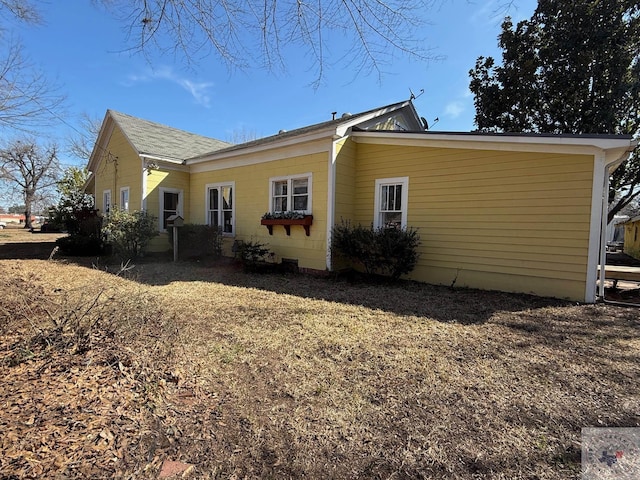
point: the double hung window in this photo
(220, 207)
(291, 194)
(106, 201)
(391, 197)
(124, 199)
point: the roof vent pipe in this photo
(333, 115)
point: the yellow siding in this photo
(345, 180)
(252, 197)
(490, 219)
(165, 178)
(632, 239)
(119, 167)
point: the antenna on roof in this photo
(413, 95)
(425, 124)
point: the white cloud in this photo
(198, 90)
(454, 109)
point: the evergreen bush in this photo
(384, 251)
(129, 233)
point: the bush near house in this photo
(129, 233)
(84, 239)
(253, 255)
(384, 251)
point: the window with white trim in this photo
(221, 206)
(124, 199)
(391, 198)
(106, 201)
(171, 201)
(291, 194)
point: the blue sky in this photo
(81, 49)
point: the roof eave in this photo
(276, 143)
(617, 147)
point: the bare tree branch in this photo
(81, 145)
(257, 32)
(27, 100)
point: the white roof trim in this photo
(616, 148)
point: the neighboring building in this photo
(632, 237)
(615, 232)
(521, 213)
(15, 218)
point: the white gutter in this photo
(160, 159)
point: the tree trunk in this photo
(28, 201)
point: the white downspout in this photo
(331, 201)
(603, 233)
(143, 190)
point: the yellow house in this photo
(520, 213)
(632, 237)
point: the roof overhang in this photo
(101, 142)
(615, 148)
(333, 132)
(275, 143)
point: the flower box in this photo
(306, 222)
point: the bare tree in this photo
(29, 170)
(249, 32)
(242, 135)
(81, 145)
(27, 99)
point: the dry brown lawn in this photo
(288, 376)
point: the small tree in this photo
(74, 203)
(129, 233)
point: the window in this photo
(391, 197)
(106, 201)
(220, 206)
(291, 194)
(170, 204)
(124, 199)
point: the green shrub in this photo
(84, 238)
(386, 251)
(197, 240)
(129, 233)
(252, 254)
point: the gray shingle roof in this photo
(284, 134)
(162, 141)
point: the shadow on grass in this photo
(406, 298)
(27, 250)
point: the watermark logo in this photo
(610, 453)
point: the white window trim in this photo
(121, 206)
(219, 185)
(106, 193)
(290, 178)
(404, 181)
(162, 191)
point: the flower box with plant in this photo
(286, 219)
